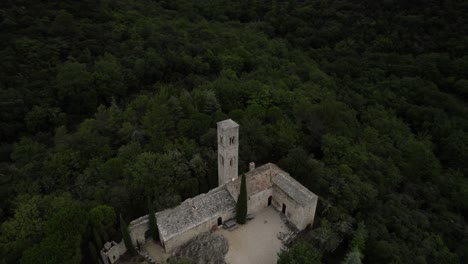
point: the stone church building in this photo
(267, 185)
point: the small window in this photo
(221, 139)
(222, 160)
(231, 140)
(231, 162)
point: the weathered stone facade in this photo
(194, 216)
(267, 185)
(112, 251)
(299, 202)
(228, 149)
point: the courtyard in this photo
(255, 242)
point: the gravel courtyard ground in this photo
(156, 251)
(256, 242)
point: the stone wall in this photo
(138, 228)
(177, 241)
(259, 201)
(228, 151)
(294, 212)
(257, 181)
(113, 254)
(309, 213)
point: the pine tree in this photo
(241, 206)
(126, 237)
(153, 227)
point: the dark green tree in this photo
(379, 131)
(353, 257)
(126, 237)
(93, 252)
(180, 261)
(356, 246)
(102, 219)
(63, 235)
(241, 206)
(74, 88)
(153, 227)
(97, 238)
(300, 252)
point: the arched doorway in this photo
(284, 209)
(269, 200)
(220, 221)
(148, 234)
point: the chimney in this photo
(251, 166)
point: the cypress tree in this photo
(126, 237)
(241, 206)
(103, 233)
(97, 238)
(93, 251)
(153, 227)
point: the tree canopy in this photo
(106, 103)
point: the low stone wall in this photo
(111, 255)
(138, 228)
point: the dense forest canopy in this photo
(105, 104)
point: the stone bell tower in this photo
(228, 149)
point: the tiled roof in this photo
(193, 212)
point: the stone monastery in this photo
(267, 185)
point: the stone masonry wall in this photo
(259, 201)
(114, 253)
(256, 183)
(309, 213)
(138, 228)
(177, 241)
(294, 211)
(228, 152)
